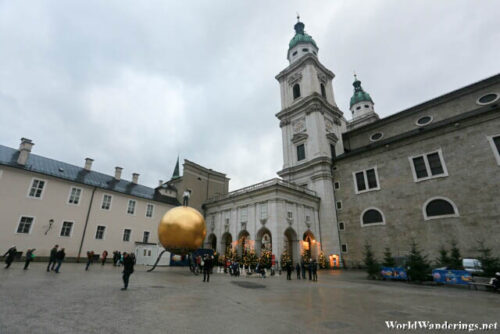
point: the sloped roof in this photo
(62, 170)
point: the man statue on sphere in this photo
(185, 197)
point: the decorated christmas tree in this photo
(306, 255)
(285, 258)
(250, 258)
(323, 263)
(265, 258)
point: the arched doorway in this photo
(290, 244)
(309, 246)
(226, 243)
(244, 242)
(211, 242)
(263, 240)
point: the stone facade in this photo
(460, 130)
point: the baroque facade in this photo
(428, 174)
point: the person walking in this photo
(289, 271)
(207, 266)
(52, 258)
(104, 256)
(90, 257)
(315, 271)
(9, 256)
(297, 268)
(303, 267)
(29, 257)
(309, 269)
(128, 269)
(59, 258)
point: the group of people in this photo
(56, 258)
(311, 268)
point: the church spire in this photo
(176, 173)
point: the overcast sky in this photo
(135, 83)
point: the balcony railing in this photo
(262, 185)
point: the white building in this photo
(297, 212)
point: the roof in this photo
(359, 94)
(300, 36)
(62, 170)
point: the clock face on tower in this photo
(299, 125)
(328, 125)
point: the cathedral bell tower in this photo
(311, 126)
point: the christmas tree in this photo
(418, 268)
(265, 258)
(285, 258)
(372, 266)
(323, 263)
(388, 259)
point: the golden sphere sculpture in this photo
(182, 230)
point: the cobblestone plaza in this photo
(172, 300)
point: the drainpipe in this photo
(86, 223)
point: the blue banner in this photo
(451, 276)
(398, 273)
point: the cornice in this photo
(311, 59)
(307, 165)
(311, 103)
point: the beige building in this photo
(46, 202)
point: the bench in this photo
(487, 286)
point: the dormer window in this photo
(296, 91)
(358, 107)
(294, 54)
(305, 50)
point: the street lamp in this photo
(50, 226)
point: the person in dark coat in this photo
(59, 258)
(309, 269)
(29, 257)
(90, 258)
(207, 267)
(128, 269)
(9, 256)
(289, 271)
(303, 267)
(297, 268)
(314, 270)
(52, 258)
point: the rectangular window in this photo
(332, 151)
(495, 146)
(263, 211)
(25, 225)
(126, 234)
(428, 166)
(74, 195)
(243, 214)
(336, 185)
(366, 180)
(289, 215)
(308, 219)
(131, 207)
(341, 226)
(36, 189)
(344, 248)
(106, 202)
(149, 210)
(99, 234)
(66, 229)
(145, 237)
(339, 205)
(301, 152)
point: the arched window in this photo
(439, 207)
(296, 91)
(323, 91)
(372, 216)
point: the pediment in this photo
(298, 137)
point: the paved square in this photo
(172, 300)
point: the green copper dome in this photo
(359, 94)
(301, 36)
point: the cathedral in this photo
(428, 174)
